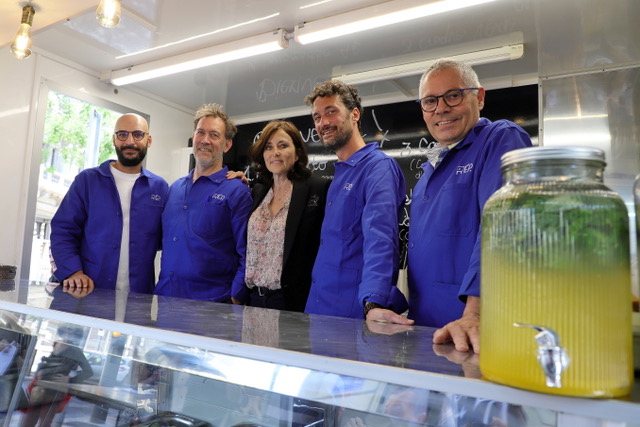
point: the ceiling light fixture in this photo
(391, 12)
(108, 13)
(21, 44)
(226, 52)
(483, 56)
(200, 36)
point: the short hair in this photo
(216, 110)
(468, 74)
(348, 95)
(299, 169)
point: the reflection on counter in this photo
(173, 379)
(374, 342)
(7, 285)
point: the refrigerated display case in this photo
(194, 363)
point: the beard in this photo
(341, 137)
(131, 161)
(210, 162)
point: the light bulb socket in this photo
(27, 15)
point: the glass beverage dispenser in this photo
(556, 278)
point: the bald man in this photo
(107, 230)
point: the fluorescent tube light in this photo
(387, 13)
(226, 52)
(485, 56)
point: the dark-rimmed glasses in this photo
(137, 135)
(451, 97)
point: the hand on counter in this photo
(388, 316)
(464, 332)
(385, 328)
(77, 292)
(78, 280)
(78, 285)
(468, 360)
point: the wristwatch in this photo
(368, 306)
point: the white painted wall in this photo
(22, 83)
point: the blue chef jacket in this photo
(446, 208)
(204, 238)
(86, 230)
(358, 255)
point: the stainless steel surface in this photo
(599, 110)
(220, 348)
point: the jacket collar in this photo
(105, 169)
(359, 155)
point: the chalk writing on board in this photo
(271, 89)
(398, 128)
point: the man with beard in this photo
(91, 243)
(205, 221)
(356, 269)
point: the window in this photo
(76, 136)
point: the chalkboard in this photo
(400, 131)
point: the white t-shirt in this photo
(124, 184)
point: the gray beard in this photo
(206, 164)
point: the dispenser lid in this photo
(570, 152)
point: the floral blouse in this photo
(265, 244)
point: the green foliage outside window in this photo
(67, 130)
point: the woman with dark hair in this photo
(284, 229)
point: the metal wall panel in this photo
(580, 35)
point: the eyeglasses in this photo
(451, 97)
(137, 135)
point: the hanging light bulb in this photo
(21, 44)
(108, 13)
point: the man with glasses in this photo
(107, 230)
(462, 172)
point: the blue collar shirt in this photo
(358, 255)
(86, 231)
(204, 238)
(446, 209)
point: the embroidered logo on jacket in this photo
(156, 197)
(348, 186)
(218, 196)
(464, 169)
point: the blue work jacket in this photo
(358, 256)
(86, 230)
(446, 209)
(204, 238)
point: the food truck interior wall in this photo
(583, 55)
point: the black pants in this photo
(266, 298)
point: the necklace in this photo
(281, 193)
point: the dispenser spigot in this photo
(552, 358)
